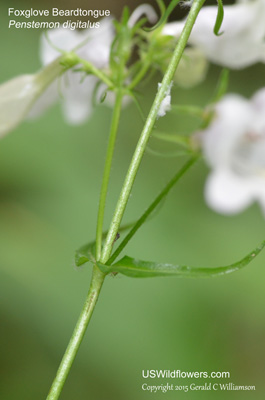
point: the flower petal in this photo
(76, 92)
(42, 103)
(173, 28)
(227, 193)
(77, 95)
(64, 39)
(16, 97)
(234, 116)
(258, 101)
(96, 47)
(241, 43)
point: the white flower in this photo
(19, 94)
(30, 95)
(76, 92)
(234, 147)
(242, 42)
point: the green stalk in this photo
(141, 74)
(79, 331)
(90, 68)
(107, 168)
(145, 135)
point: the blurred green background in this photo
(50, 176)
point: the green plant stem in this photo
(90, 68)
(141, 74)
(107, 168)
(141, 146)
(79, 331)
(152, 207)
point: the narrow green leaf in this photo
(165, 13)
(125, 16)
(175, 138)
(188, 110)
(168, 154)
(145, 269)
(222, 85)
(219, 18)
(138, 105)
(143, 218)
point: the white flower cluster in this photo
(234, 146)
(75, 90)
(234, 142)
(28, 96)
(242, 42)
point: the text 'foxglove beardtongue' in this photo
(19, 94)
(76, 92)
(242, 42)
(234, 147)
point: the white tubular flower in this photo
(18, 95)
(76, 92)
(234, 147)
(242, 42)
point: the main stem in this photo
(79, 331)
(145, 135)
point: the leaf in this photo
(125, 16)
(153, 206)
(165, 13)
(188, 110)
(85, 254)
(222, 85)
(219, 18)
(138, 105)
(145, 269)
(175, 138)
